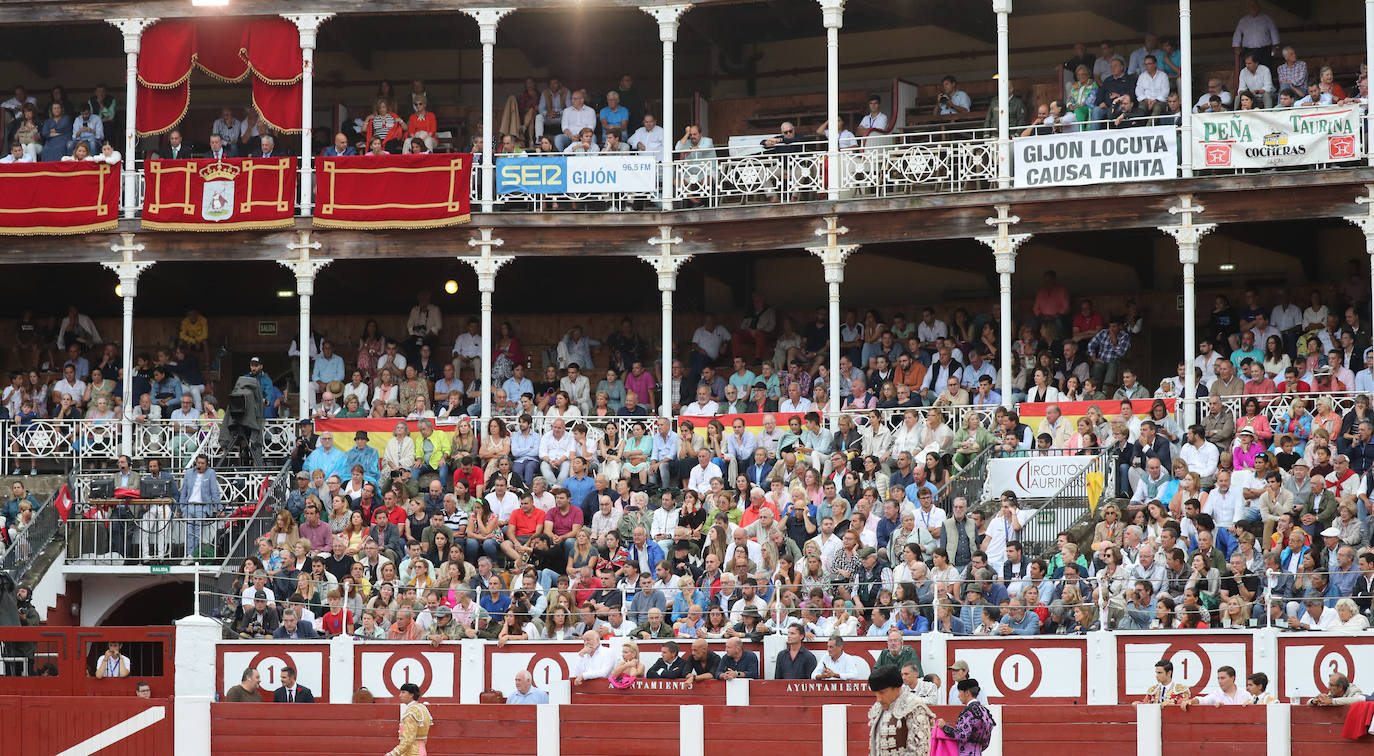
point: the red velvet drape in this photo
(266, 49)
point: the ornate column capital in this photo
(486, 264)
(126, 267)
(1004, 243)
(487, 20)
(132, 28)
(1187, 234)
(308, 24)
(304, 267)
(666, 264)
(832, 13)
(667, 17)
(1001, 6)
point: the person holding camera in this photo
(423, 325)
(953, 100)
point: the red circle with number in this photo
(264, 656)
(1323, 654)
(1180, 669)
(1023, 693)
(398, 657)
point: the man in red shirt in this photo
(1292, 384)
(1052, 301)
(1086, 323)
(470, 473)
(525, 521)
(563, 521)
(1259, 383)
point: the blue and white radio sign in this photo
(576, 174)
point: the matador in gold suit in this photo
(415, 723)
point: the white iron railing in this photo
(77, 442)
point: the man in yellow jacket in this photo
(415, 723)
(431, 453)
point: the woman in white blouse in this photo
(400, 450)
(1348, 618)
(1314, 317)
(356, 387)
(563, 407)
(1042, 391)
(386, 391)
(81, 154)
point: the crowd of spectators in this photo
(1105, 89)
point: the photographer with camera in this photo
(952, 101)
(423, 325)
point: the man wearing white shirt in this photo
(703, 472)
(648, 138)
(836, 664)
(846, 138)
(929, 516)
(555, 452)
(1202, 457)
(467, 350)
(1364, 380)
(1227, 693)
(1152, 87)
(829, 543)
(593, 662)
(501, 500)
(795, 402)
(1256, 33)
(576, 117)
(1256, 79)
(1214, 87)
(707, 341)
(704, 406)
(874, 121)
(1206, 361)
(17, 155)
(770, 435)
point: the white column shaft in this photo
(665, 408)
(486, 350)
(303, 345)
(832, 109)
(307, 125)
(1003, 96)
(127, 345)
(1004, 338)
(1189, 343)
(1185, 82)
(668, 124)
(488, 174)
(832, 388)
(130, 125)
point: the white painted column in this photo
(132, 28)
(667, 17)
(487, 21)
(833, 256)
(308, 24)
(1185, 82)
(546, 732)
(1003, 10)
(195, 683)
(1189, 237)
(935, 653)
(128, 271)
(304, 269)
(1149, 730)
(691, 730)
(341, 652)
(1004, 245)
(1278, 729)
(1101, 660)
(834, 727)
(1366, 224)
(486, 264)
(666, 265)
(832, 15)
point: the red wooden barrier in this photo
(61, 660)
(638, 730)
(763, 730)
(857, 718)
(255, 729)
(51, 724)
(1317, 732)
(1216, 731)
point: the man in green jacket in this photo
(898, 653)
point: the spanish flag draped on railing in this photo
(234, 194)
(58, 198)
(393, 191)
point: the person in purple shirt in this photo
(563, 521)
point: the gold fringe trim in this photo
(208, 226)
(265, 120)
(60, 230)
(195, 61)
(185, 107)
(381, 225)
(243, 53)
